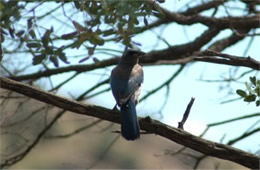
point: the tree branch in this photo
(228, 59)
(186, 114)
(244, 135)
(164, 57)
(203, 7)
(179, 54)
(241, 22)
(152, 126)
(174, 52)
(189, 11)
(223, 43)
(77, 68)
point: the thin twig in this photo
(167, 82)
(186, 114)
(20, 156)
(77, 131)
(244, 135)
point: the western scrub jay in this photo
(126, 79)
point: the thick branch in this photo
(241, 22)
(179, 54)
(164, 57)
(203, 7)
(229, 59)
(152, 126)
(183, 50)
(170, 53)
(191, 16)
(222, 44)
(190, 11)
(77, 68)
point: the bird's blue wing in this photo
(124, 87)
(136, 79)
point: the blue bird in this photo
(126, 79)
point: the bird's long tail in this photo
(129, 122)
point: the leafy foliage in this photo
(253, 91)
(107, 20)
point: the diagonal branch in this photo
(77, 68)
(173, 52)
(244, 135)
(183, 50)
(240, 22)
(165, 84)
(165, 57)
(152, 126)
(179, 54)
(221, 58)
(203, 7)
(186, 114)
(223, 43)
(189, 11)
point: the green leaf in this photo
(96, 40)
(77, 4)
(63, 57)
(136, 22)
(145, 21)
(91, 50)
(20, 33)
(54, 60)
(81, 39)
(76, 44)
(241, 93)
(257, 102)
(33, 45)
(250, 98)
(79, 27)
(69, 35)
(32, 34)
(11, 31)
(49, 50)
(253, 80)
(108, 32)
(46, 37)
(38, 59)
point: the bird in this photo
(125, 80)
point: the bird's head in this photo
(134, 53)
(131, 56)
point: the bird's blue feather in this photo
(129, 123)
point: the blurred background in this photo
(68, 40)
